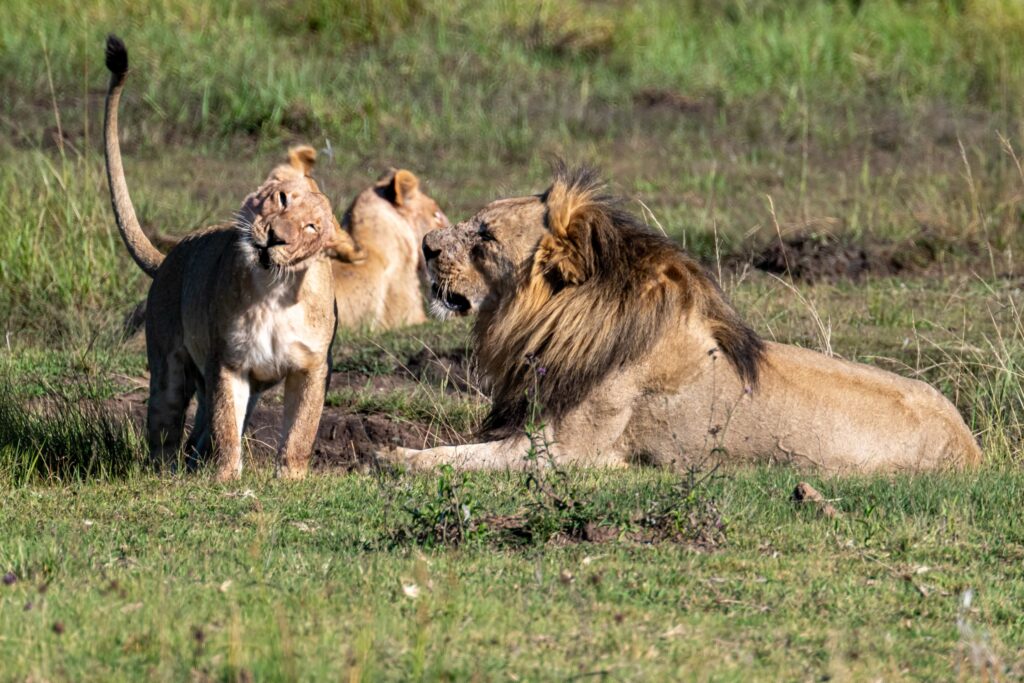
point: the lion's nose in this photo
(430, 248)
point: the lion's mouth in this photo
(453, 301)
(268, 258)
(263, 255)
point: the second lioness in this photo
(388, 220)
(233, 310)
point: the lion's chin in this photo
(287, 263)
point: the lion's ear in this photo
(559, 262)
(340, 245)
(574, 215)
(302, 158)
(404, 185)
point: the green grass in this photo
(727, 124)
(424, 406)
(851, 120)
(172, 579)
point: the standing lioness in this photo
(234, 310)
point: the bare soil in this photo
(345, 442)
(825, 257)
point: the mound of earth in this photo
(823, 257)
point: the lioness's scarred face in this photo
(472, 263)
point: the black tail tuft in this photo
(117, 56)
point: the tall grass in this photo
(489, 76)
(63, 441)
(62, 274)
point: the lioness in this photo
(383, 289)
(633, 355)
(233, 310)
(388, 221)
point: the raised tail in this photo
(139, 246)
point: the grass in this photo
(177, 579)
(728, 124)
(424, 406)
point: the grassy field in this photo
(878, 139)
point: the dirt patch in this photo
(824, 257)
(345, 442)
(672, 100)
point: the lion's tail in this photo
(139, 246)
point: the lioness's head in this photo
(402, 189)
(287, 221)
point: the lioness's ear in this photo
(340, 245)
(302, 158)
(405, 185)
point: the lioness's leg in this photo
(303, 404)
(229, 399)
(197, 448)
(171, 386)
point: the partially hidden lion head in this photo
(287, 221)
(569, 287)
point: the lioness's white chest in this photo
(273, 338)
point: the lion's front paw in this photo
(396, 458)
(227, 474)
(291, 472)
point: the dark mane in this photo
(596, 297)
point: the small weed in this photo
(445, 518)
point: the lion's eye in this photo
(485, 234)
(439, 217)
(310, 228)
(283, 198)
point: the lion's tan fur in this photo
(633, 354)
(550, 318)
(388, 220)
(234, 309)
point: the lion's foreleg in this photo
(230, 397)
(303, 405)
(508, 454)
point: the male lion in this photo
(388, 220)
(235, 309)
(633, 355)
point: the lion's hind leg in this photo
(172, 383)
(199, 445)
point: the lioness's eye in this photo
(283, 198)
(310, 228)
(485, 234)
